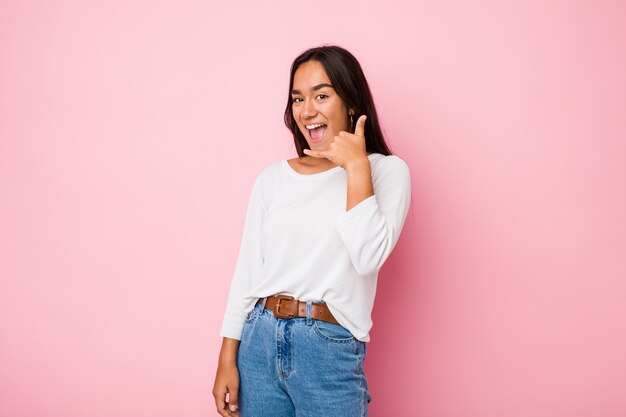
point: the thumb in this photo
(233, 400)
(359, 130)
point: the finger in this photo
(233, 403)
(224, 408)
(359, 130)
(221, 405)
(315, 154)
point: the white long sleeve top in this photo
(299, 240)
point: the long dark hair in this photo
(348, 80)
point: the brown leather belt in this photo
(286, 307)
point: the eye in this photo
(295, 99)
(322, 95)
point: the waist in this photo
(286, 307)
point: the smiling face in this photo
(318, 110)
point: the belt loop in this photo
(263, 304)
(308, 313)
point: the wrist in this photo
(227, 361)
(228, 352)
(359, 164)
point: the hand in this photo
(345, 148)
(227, 382)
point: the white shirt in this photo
(298, 240)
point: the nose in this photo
(308, 109)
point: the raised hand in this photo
(345, 148)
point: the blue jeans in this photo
(300, 367)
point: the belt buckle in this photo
(277, 311)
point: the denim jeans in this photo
(300, 367)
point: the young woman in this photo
(317, 231)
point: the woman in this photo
(317, 231)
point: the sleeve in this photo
(371, 229)
(249, 263)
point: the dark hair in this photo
(348, 80)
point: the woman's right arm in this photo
(248, 267)
(227, 379)
(249, 263)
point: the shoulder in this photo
(394, 161)
(389, 165)
(266, 178)
(267, 172)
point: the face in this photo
(318, 110)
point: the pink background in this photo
(131, 133)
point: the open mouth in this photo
(316, 131)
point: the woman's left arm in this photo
(375, 211)
(371, 225)
(359, 182)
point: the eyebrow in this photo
(315, 88)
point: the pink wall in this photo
(131, 132)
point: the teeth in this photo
(315, 126)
